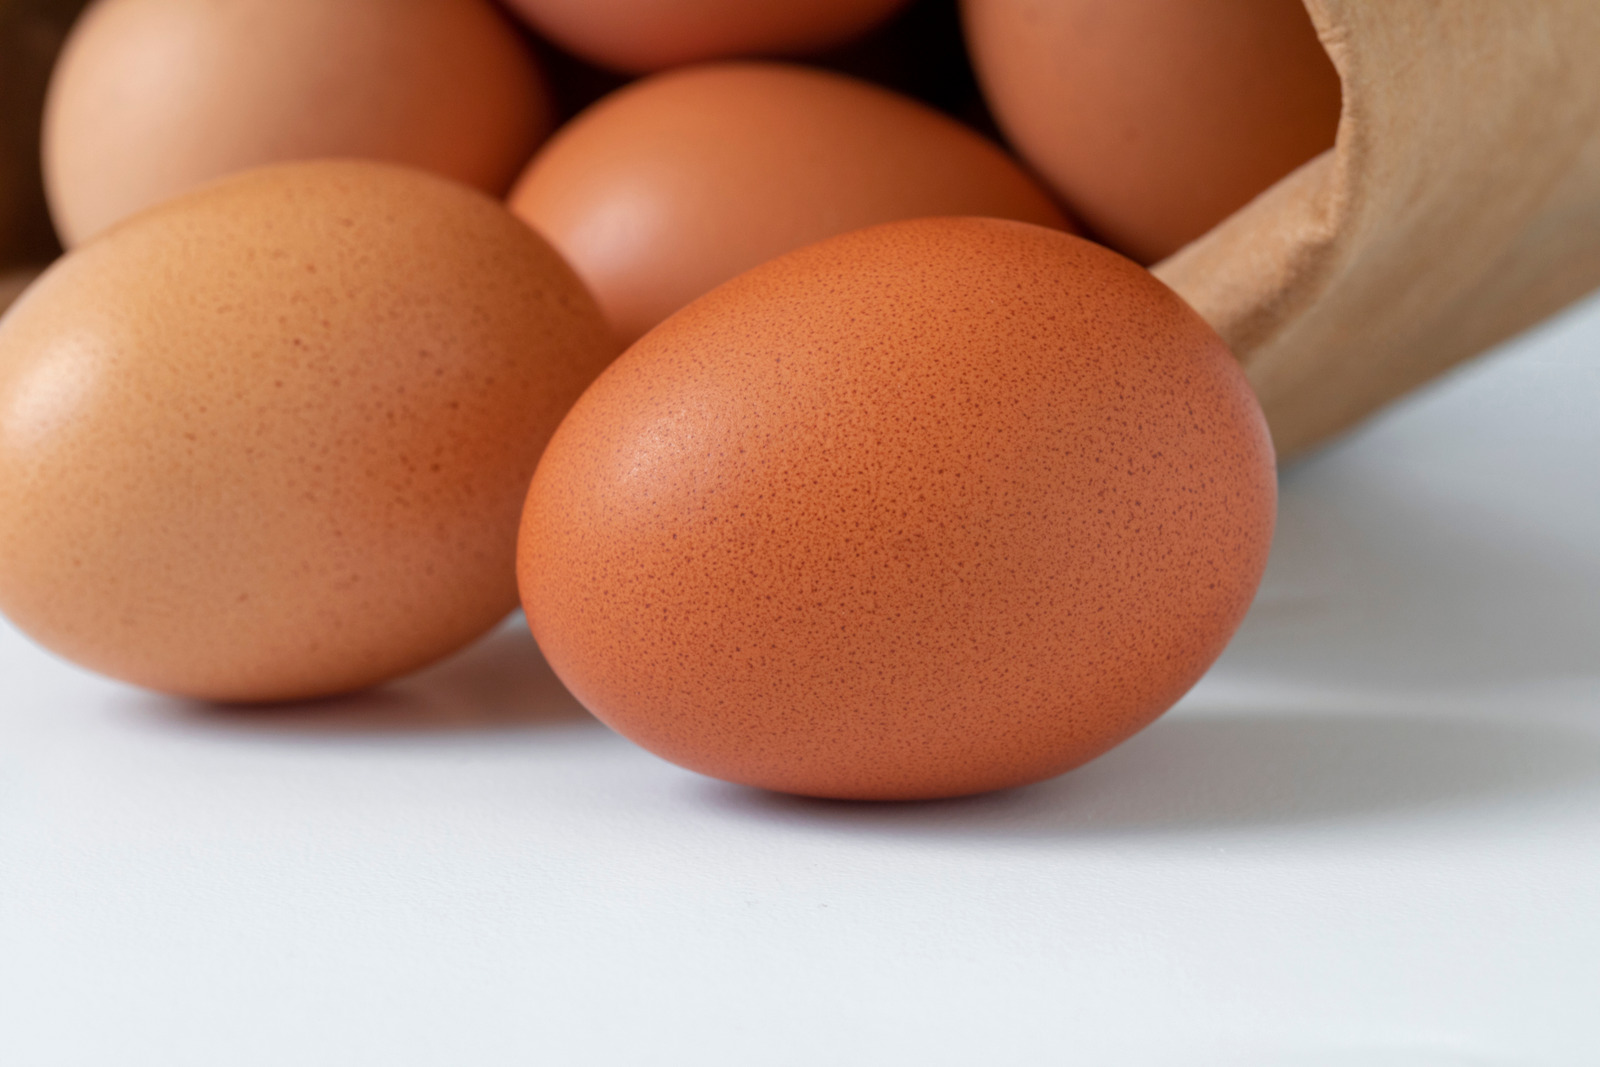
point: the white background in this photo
(1370, 837)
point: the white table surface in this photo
(1370, 837)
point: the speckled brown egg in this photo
(1156, 119)
(154, 97)
(271, 440)
(923, 510)
(644, 35)
(675, 184)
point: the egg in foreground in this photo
(924, 510)
(271, 440)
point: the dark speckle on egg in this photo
(924, 510)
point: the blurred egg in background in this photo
(1156, 119)
(638, 36)
(12, 284)
(154, 97)
(676, 183)
(31, 33)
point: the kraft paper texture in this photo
(1460, 205)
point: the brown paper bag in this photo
(1460, 205)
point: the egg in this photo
(927, 509)
(31, 32)
(12, 285)
(1156, 119)
(637, 36)
(154, 97)
(675, 184)
(270, 440)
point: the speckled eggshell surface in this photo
(923, 510)
(672, 185)
(271, 440)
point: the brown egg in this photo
(271, 440)
(644, 35)
(13, 283)
(31, 32)
(1156, 119)
(932, 508)
(673, 185)
(154, 97)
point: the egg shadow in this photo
(1408, 590)
(1236, 771)
(500, 683)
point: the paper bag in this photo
(1460, 205)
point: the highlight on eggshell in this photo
(152, 98)
(927, 509)
(270, 440)
(677, 183)
(639, 36)
(1156, 119)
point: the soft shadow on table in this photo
(500, 683)
(1388, 582)
(1198, 773)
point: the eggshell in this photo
(12, 284)
(31, 32)
(271, 440)
(154, 97)
(932, 508)
(1156, 119)
(645, 35)
(675, 184)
